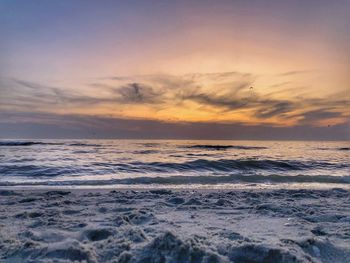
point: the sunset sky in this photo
(175, 69)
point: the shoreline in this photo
(167, 225)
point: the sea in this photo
(174, 164)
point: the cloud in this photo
(45, 125)
(30, 94)
(271, 108)
(223, 93)
(138, 93)
(295, 72)
(217, 101)
(318, 115)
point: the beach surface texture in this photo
(161, 225)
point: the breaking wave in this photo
(224, 165)
(204, 180)
(199, 165)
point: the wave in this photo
(228, 165)
(31, 143)
(344, 149)
(83, 144)
(197, 166)
(21, 143)
(202, 180)
(225, 147)
(335, 149)
(145, 152)
(31, 170)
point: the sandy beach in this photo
(181, 131)
(175, 225)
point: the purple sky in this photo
(175, 69)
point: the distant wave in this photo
(24, 143)
(225, 147)
(211, 180)
(150, 144)
(30, 143)
(83, 144)
(145, 152)
(335, 149)
(344, 149)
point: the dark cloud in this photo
(226, 95)
(26, 94)
(217, 101)
(317, 115)
(332, 102)
(263, 107)
(272, 108)
(34, 125)
(138, 93)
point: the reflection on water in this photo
(172, 163)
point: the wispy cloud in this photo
(149, 96)
(138, 93)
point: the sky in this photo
(175, 69)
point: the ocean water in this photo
(173, 163)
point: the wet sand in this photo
(268, 225)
